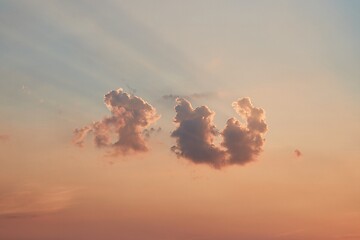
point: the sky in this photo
(197, 120)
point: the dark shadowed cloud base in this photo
(196, 132)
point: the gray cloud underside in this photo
(195, 134)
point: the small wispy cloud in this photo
(192, 96)
(33, 201)
(297, 153)
(148, 132)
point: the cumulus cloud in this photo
(123, 131)
(297, 153)
(244, 143)
(196, 132)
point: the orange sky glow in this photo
(179, 120)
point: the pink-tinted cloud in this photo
(244, 143)
(123, 131)
(297, 153)
(80, 135)
(195, 134)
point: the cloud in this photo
(297, 153)
(33, 201)
(148, 132)
(195, 134)
(123, 131)
(205, 95)
(173, 97)
(80, 135)
(244, 142)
